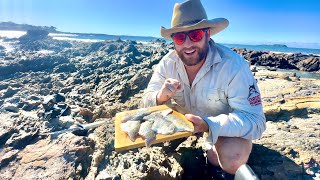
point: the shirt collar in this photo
(213, 56)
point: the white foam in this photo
(12, 34)
(7, 45)
(45, 52)
(60, 34)
(76, 39)
(278, 52)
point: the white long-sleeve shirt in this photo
(224, 93)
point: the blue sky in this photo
(251, 21)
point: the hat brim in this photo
(215, 25)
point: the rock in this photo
(20, 141)
(9, 92)
(310, 64)
(7, 157)
(5, 134)
(34, 34)
(68, 156)
(30, 105)
(67, 67)
(110, 48)
(130, 48)
(10, 107)
(86, 113)
(3, 86)
(35, 63)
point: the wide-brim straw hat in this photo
(191, 15)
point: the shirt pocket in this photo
(217, 101)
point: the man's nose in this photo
(188, 42)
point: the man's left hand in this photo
(199, 124)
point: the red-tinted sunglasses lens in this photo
(196, 35)
(179, 38)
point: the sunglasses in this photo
(194, 35)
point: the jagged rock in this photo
(283, 61)
(5, 134)
(33, 64)
(130, 48)
(17, 141)
(309, 64)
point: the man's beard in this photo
(200, 55)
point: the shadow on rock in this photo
(286, 115)
(270, 164)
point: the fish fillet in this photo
(147, 133)
(131, 128)
(179, 123)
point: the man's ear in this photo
(208, 34)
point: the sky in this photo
(251, 21)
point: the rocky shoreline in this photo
(74, 82)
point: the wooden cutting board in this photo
(122, 141)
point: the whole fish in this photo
(131, 128)
(147, 133)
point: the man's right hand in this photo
(168, 89)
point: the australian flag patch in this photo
(254, 96)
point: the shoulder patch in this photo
(254, 96)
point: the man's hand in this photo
(168, 89)
(199, 124)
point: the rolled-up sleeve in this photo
(155, 84)
(246, 120)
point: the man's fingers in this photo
(191, 118)
(172, 85)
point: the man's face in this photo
(192, 53)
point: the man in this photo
(210, 81)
